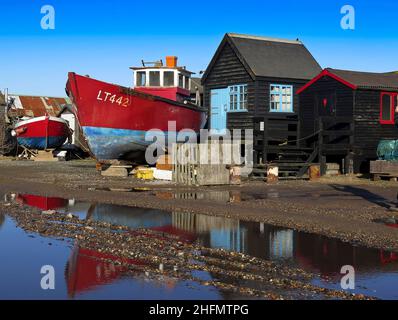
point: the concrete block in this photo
(45, 156)
(115, 172)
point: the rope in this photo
(305, 138)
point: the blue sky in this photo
(104, 38)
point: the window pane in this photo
(238, 97)
(186, 83)
(154, 78)
(386, 107)
(141, 79)
(281, 98)
(180, 80)
(274, 89)
(168, 79)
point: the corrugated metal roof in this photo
(36, 106)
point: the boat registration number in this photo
(113, 98)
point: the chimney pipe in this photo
(171, 61)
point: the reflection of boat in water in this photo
(327, 256)
(44, 203)
(87, 269)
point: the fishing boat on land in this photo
(116, 119)
(41, 133)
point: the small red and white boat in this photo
(115, 119)
(41, 133)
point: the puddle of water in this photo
(79, 273)
(88, 277)
(136, 189)
(389, 222)
(242, 196)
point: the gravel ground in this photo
(341, 207)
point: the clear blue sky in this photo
(104, 38)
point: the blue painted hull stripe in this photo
(40, 143)
(108, 143)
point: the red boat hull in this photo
(42, 132)
(115, 119)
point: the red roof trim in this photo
(326, 73)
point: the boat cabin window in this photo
(168, 79)
(162, 78)
(141, 79)
(186, 83)
(154, 78)
(181, 81)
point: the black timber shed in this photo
(251, 83)
(348, 113)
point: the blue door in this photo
(219, 106)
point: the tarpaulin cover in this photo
(388, 150)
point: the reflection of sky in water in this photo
(376, 271)
(22, 260)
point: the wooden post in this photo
(349, 163)
(265, 140)
(321, 157)
(350, 159)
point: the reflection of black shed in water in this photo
(355, 109)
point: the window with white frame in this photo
(154, 78)
(238, 98)
(281, 99)
(168, 78)
(140, 79)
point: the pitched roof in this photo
(368, 80)
(359, 80)
(270, 57)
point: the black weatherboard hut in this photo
(251, 83)
(345, 114)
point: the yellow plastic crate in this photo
(144, 174)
